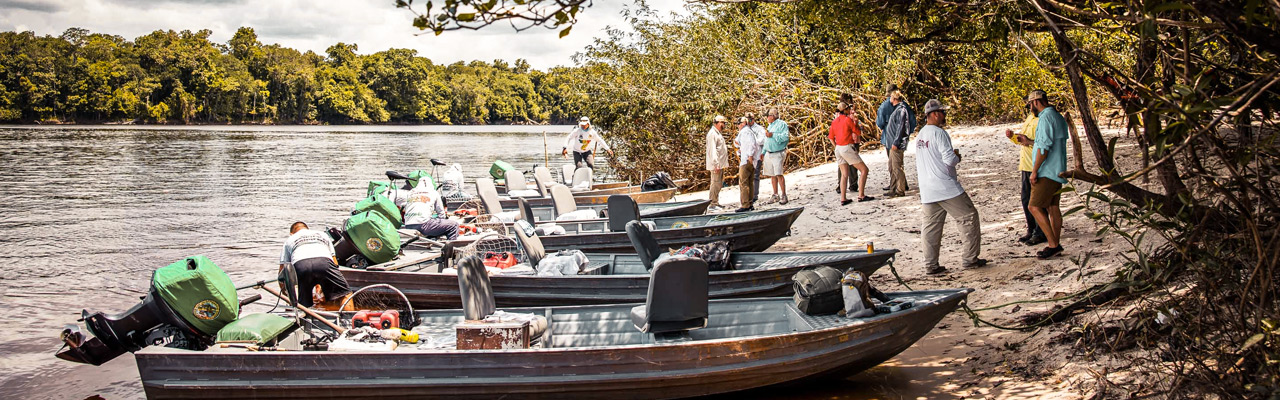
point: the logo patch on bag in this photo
(206, 310)
(373, 244)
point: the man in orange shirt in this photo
(847, 137)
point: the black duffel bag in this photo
(658, 181)
(818, 290)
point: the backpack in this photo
(856, 292)
(817, 290)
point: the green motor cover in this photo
(421, 176)
(378, 187)
(381, 205)
(499, 169)
(258, 327)
(374, 236)
(198, 291)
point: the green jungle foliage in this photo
(657, 88)
(182, 77)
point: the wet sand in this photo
(956, 360)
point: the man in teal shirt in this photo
(1050, 160)
(777, 135)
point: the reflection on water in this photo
(86, 213)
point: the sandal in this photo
(845, 202)
(865, 198)
(1049, 252)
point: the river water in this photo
(86, 213)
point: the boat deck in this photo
(610, 325)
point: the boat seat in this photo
(529, 241)
(516, 185)
(477, 295)
(489, 199)
(542, 178)
(677, 299)
(581, 179)
(526, 211)
(622, 209)
(566, 173)
(646, 246)
(566, 207)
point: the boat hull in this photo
(751, 235)
(437, 291)
(650, 371)
(648, 210)
(656, 196)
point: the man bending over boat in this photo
(583, 139)
(312, 256)
(425, 213)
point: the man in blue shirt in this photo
(882, 122)
(777, 136)
(1050, 160)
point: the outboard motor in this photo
(188, 302)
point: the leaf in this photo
(466, 17)
(1252, 341)
(565, 32)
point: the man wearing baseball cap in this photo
(717, 158)
(583, 139)
(1050, 160)
(941, 193)
(748, 156)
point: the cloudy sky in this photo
(374, 25)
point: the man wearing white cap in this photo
(941, 193)
(748, 156)
(583, 139)
(717, 158)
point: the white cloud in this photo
(374, 25)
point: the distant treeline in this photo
(182, 77)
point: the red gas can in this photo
(378, 319)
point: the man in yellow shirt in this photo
(1025, 139)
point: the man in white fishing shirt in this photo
(312, 256)
(424, 212)
(583, 140)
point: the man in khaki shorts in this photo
(847, 137)
(1050, 150)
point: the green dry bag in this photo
(378, 187)
(374, 236)
(199, 292)
(499, 169)
(381, 205)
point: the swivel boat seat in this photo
(646, 246)
(516, 186)
(677, 299)
(542, 178)
(622, 209)
(477, 295)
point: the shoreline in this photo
(958, 359)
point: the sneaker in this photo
(784, 200)
(891, 195)
(977, 263)
(745, 209)
(1036, 239)
(1024, 238)
(1049, 252)
(936, 270)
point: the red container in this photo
(378, 319)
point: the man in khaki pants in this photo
(941, 193)
(748, 155)
(717, 158)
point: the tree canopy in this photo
(182, 77)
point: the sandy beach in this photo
(957, 359)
